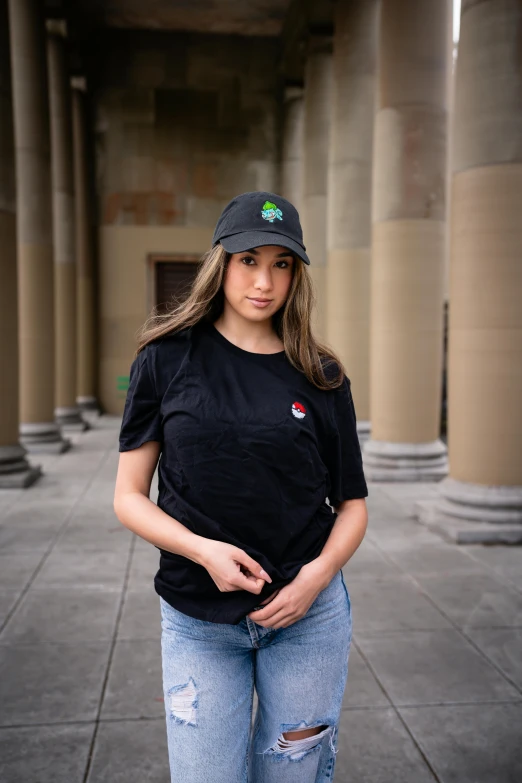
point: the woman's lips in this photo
(260, 302)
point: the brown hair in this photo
(292, 322)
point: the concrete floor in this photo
(435, 683)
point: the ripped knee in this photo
(183, 702)
(296, 742)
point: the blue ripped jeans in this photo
(299, 673)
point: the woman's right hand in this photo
(231, 568)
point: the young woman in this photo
(255, 425)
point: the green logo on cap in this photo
(270, 212)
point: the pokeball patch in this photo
(298, 410)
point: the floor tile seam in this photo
(93, 588)
(403, 722)
(52, 724)
(461, 631)
(502, 583)
(488, 569)
(112, 647)
(369, 708)
(401, 631)
(480, 703)
(496, 574)
(47, 552)
(60, 643)
(136, 638)
(428, 705)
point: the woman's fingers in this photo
(253, 584)
(252, 566)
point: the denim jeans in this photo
(299, 673)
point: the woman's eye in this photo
(246, 259)
(285, 264)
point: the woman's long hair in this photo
(292, 322)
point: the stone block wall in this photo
(184, 122)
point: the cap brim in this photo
(246, 240)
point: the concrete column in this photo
(408, 241)
(67, 412)
(481, 500)
(15, 471)
(86, 370)
(292, 147)
(349, 195)
(316, 130)
(38, 430)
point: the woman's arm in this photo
(344, 539)
(138, 513)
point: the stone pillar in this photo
(408, 241)
(349, 195)
(86, 378)
(316, 130)
(292, 147)
(38, 430)
(67, 413)
(481, 499)
(15, 471)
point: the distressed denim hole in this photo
(297, 749)
(183, 702)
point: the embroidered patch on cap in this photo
(298, 410)
(271, 211)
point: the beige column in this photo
(317, 106)
(86, 369)
(38, 430)
(481, 499)
(349, 195)
(67, 412)
(15, 471)
(292, 146)
(408, 241)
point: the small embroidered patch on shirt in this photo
(271, 211)
(298, 410)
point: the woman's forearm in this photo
(143, 517)
(345, 537)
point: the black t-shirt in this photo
(250, 451)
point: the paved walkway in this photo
(435, 683)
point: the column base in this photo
(386, 461)
(70, 420)
(15, 471)
(89, 407)
(43, 438)
(468, 513)
(363, 431)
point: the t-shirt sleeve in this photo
(345, 466)
(141, 420)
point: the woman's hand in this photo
(294, 599)
(231, 568)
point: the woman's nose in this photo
(264, 279)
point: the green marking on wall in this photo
(122, 382)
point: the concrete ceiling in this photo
(240, 17)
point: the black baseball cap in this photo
(259, 218)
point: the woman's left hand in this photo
(294, 599)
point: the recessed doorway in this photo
(172, 279)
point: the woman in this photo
(256, 427)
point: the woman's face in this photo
(257, 281)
